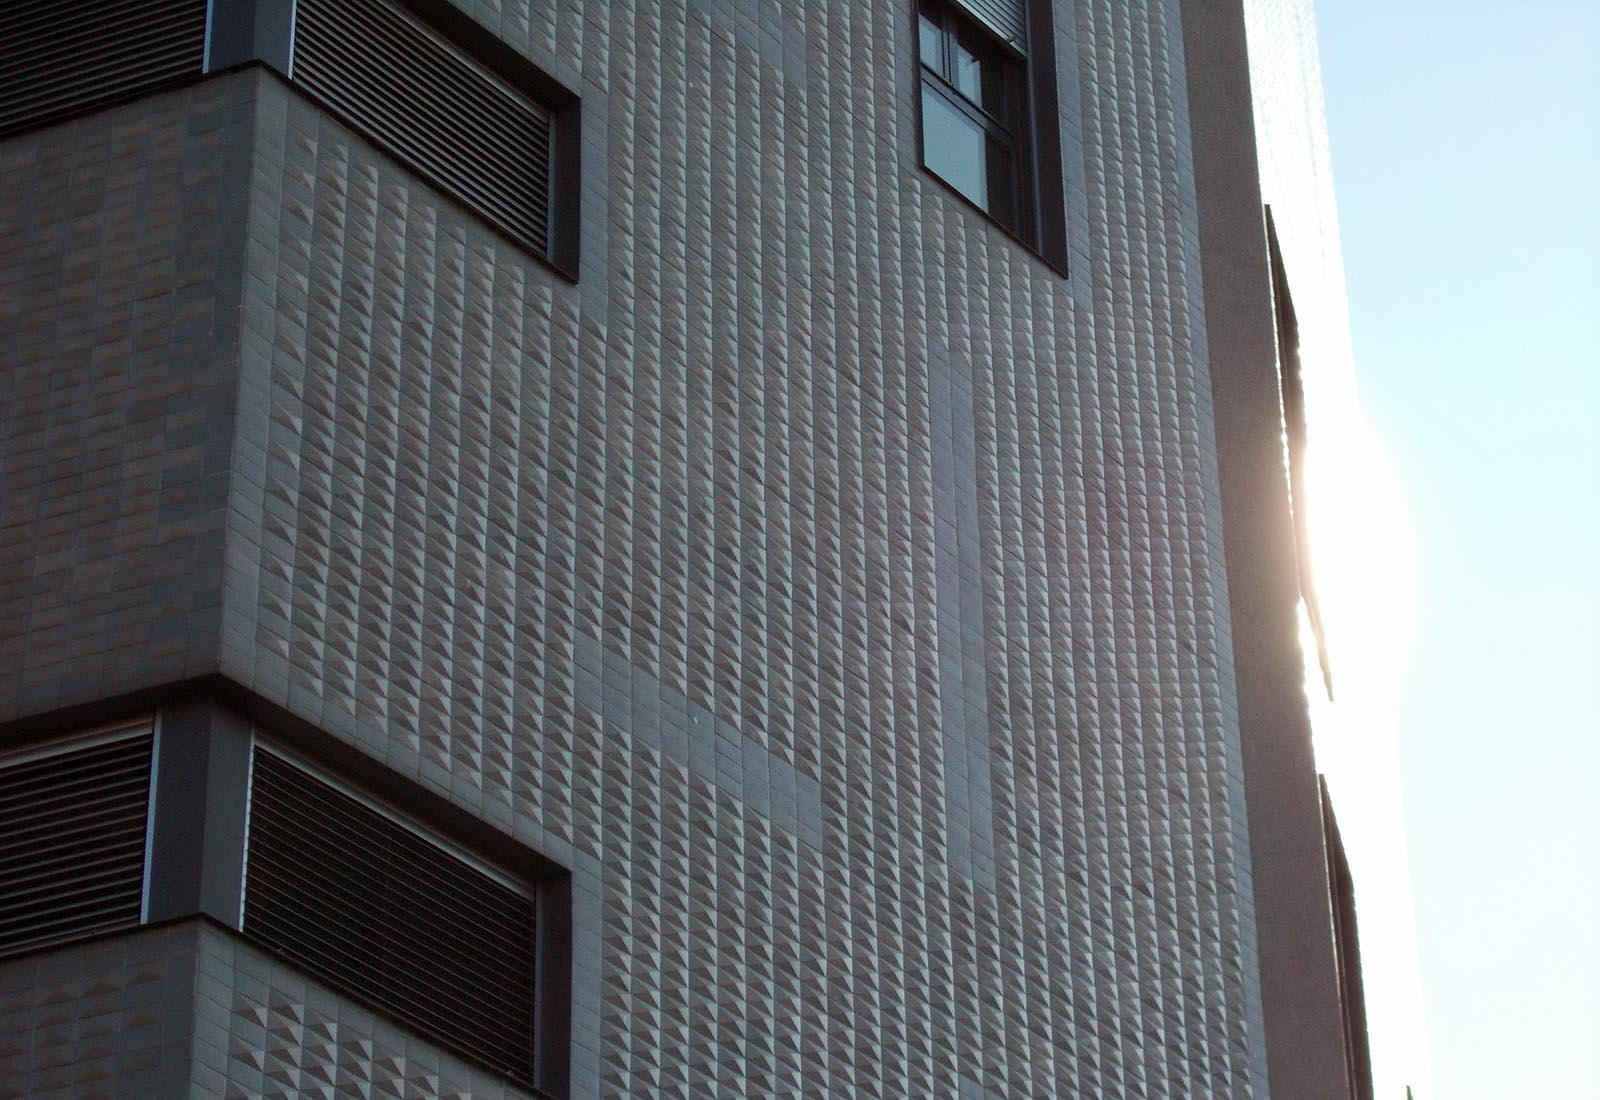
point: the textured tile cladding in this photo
(112, 1020)
(120, 265)
(189, 1011)
(634, 567)
(832, 586)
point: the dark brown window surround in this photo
(1013, 106)
(199, 760)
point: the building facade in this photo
(824, 546)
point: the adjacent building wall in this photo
(1298, 975)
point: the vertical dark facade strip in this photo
(1352, 992)
(552, 1022)
(1299, 983)
(1049, 183)
(241, 31)
(197, 845)
(566, 187)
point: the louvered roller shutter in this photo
(61, 57)
(390, 917)
(1007, 18)
(72, 841)
(460, 126)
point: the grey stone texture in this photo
(836, 589)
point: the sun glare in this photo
(1367, 592)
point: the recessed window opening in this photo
(390, 915)
(74, 829)
(974, 114)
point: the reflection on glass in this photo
(961, 154)
(953, 146)
(930, 36)
(979, 78)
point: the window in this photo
(61, 60)
(973, 135)
(73, 824)
(376, 888)
(418, 78)
(388, 914)
(453, 103)
(981, 95)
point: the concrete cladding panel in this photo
(120, 268)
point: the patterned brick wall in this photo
(121, 262)
(833, 587)
(112, 1019)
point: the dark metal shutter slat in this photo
(1007, 18)
(62, 59)
(431, 993)
(304, 795)
(107, 42)
(355, 894)
(72, 840)
(389, 917)
(59, 825)
(468, 132)
(62, 765)
(88, 881)
(492, 195)
(354, 879)
(48, 871)
(85, 795)
(72, 925)
(355, 889)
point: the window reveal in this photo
(973, 114)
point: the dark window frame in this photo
(455, 31)
(202, 753)
(1008, 129)
(1029, 131)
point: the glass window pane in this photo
(931, 39)
(980, 76)
(955, 147)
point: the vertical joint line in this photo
(205, 53)
(150, 817)
(244, 855)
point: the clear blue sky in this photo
(1466, 152)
